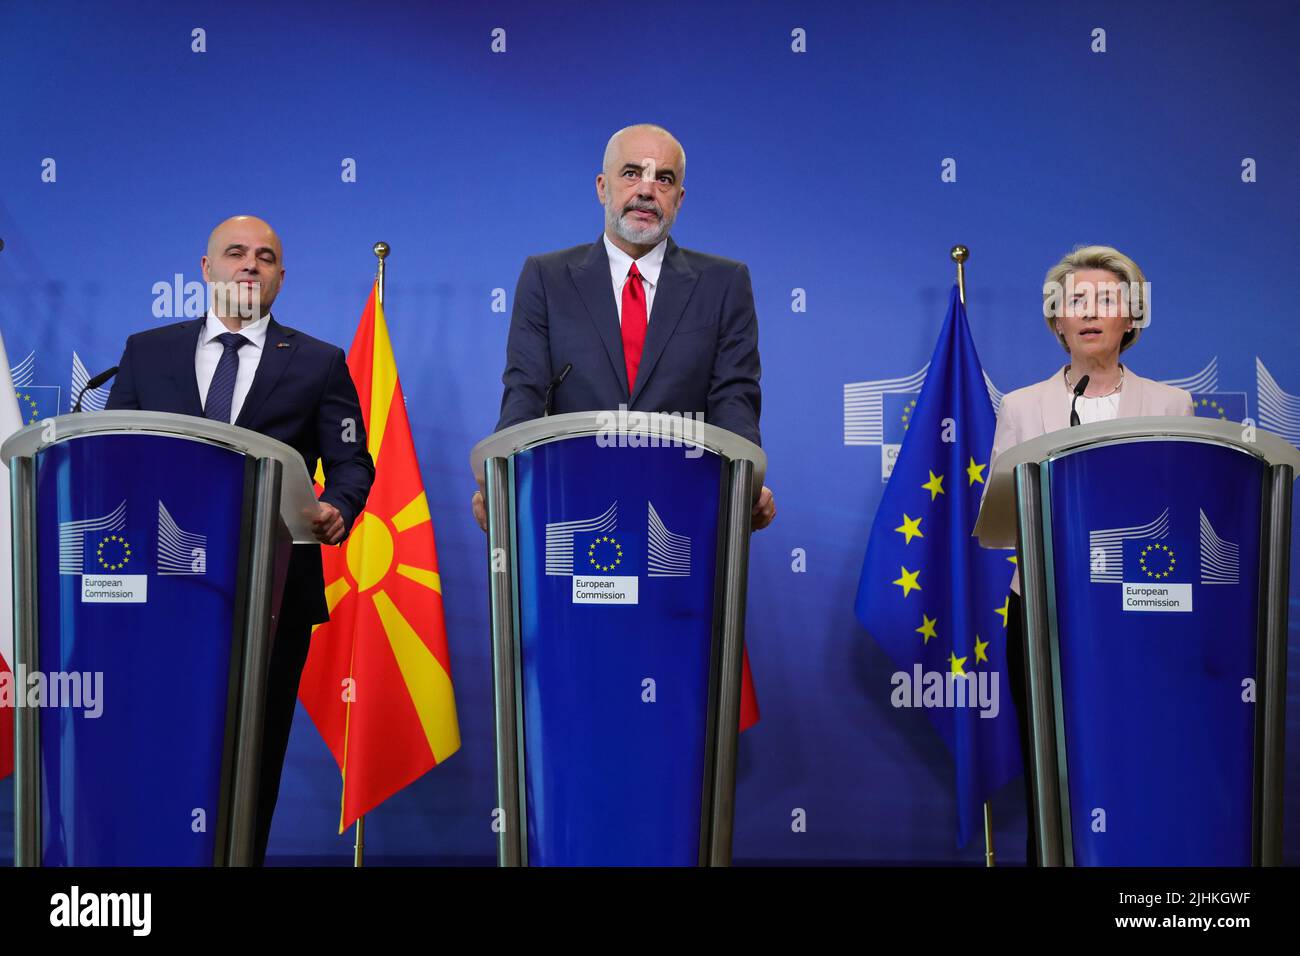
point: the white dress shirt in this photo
(210, 350)
(620, 263)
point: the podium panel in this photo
(618, 548)
(137, 578)
(1155, 559)
(1154, 555)
(149, 552)
(617, 552)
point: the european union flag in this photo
(929, 594)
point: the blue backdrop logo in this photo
(1207, 400)
(38, 402)
(1279, 411)
(35, 402)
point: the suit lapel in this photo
(1130, 396)
(180, 366)
(1055, 403)
(596, 289)
(676, 283)
(277, 350)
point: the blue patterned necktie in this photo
(222, 390)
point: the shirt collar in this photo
(254, 331)
(648, 265)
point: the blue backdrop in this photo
(823, 170)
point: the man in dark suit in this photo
(241, 366)
(642, 322)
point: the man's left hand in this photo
(764, 510)
(328, 524)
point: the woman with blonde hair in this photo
(1096, 301)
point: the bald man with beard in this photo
(240, 366)
(638, 321)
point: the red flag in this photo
(377, 683)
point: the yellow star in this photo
(1004, 610)
(956, 663)
(934, 485)
(976, 472)
(908, 581)
(979, 650)
(1012, 559)
(926, 629)
(910, 528)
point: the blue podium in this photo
(1154, 560)
(618, 552)
(149, 550)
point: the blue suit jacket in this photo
(700, 353)
(301, 395)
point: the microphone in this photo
(555, 383)
(1078, 390)
(95, 382)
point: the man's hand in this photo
(327, 526)
(764, 510)
(480, 509)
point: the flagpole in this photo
(381, 253)
(380, 249)
(959, 255)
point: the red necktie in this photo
(634, 324)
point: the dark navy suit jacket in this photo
(701, 346)
(301, 395)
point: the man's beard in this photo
(647, 235)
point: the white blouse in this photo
(1091, 410)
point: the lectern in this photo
(1154, 559)
(618, 550)
(149, 550)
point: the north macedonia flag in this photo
(377, 683)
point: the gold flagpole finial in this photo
(381, 251)
(959, 255)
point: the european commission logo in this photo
(598, 559)
(879, 413)
(38, 402)
(112, 567)
(1156, 572)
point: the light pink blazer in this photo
(1045, 407)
